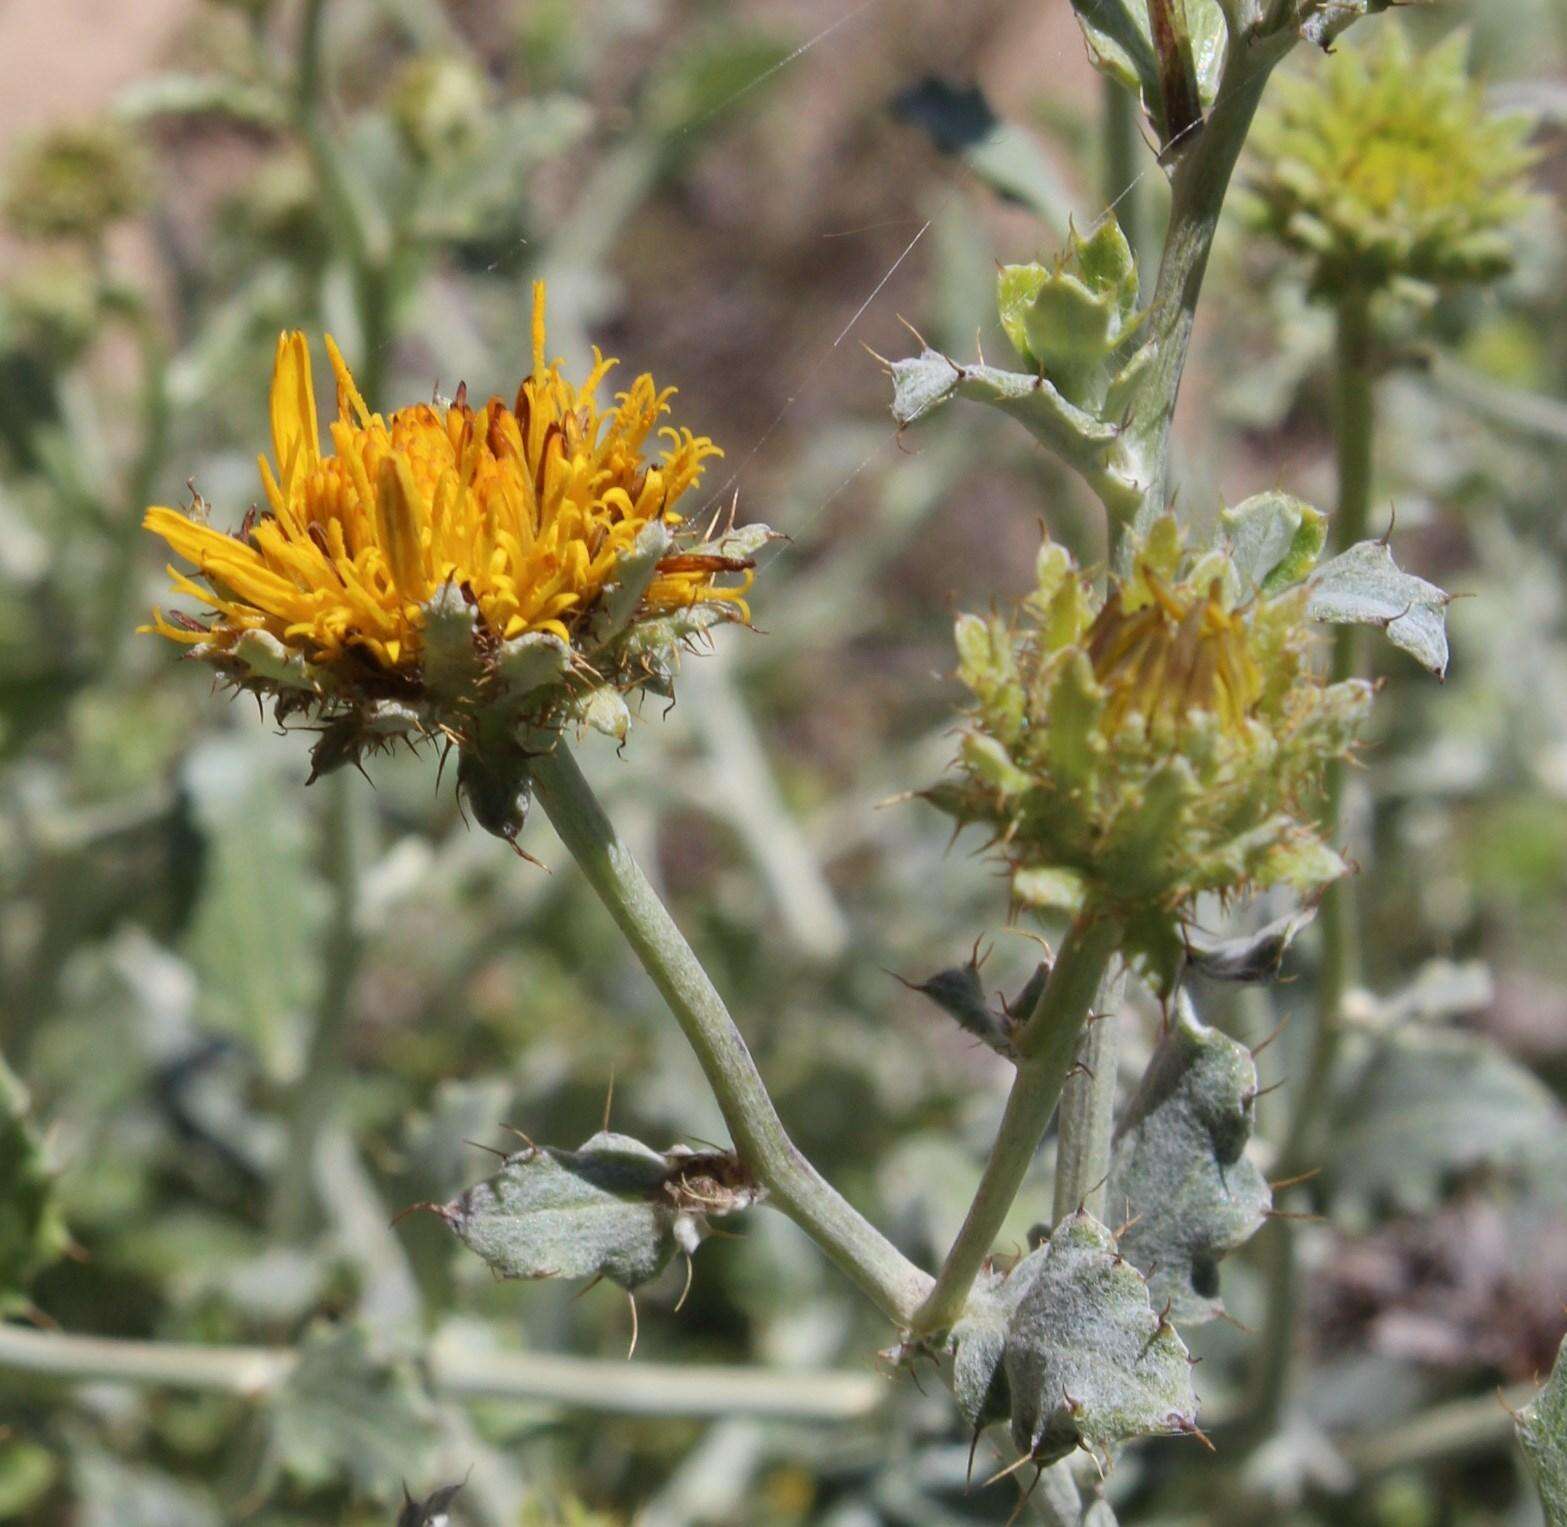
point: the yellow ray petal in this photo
(295, 441)
(348, 395)
(401, 517)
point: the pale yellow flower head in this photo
(1385, 164)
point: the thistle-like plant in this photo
(491, 576)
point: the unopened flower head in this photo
(1385, 164)
(1070, 320)
(73, 182)
(458, 571)
(439, 103)
(1132, 751)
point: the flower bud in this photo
(1386, 165)
(1165, 740)
(1068, 321)
(439, 104)
(74, 182)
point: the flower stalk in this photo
(1355, 432)
(1047, 1049)
(892, 1282)
(318, 1092)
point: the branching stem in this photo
(893, 1282)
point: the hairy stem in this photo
(1047, 1049)
(1355, 430)
(461, 1371)
(1204, 161)
(890, 1279)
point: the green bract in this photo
(1067, 321)
(1385, 165)
(1132, 751)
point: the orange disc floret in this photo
(527, 510)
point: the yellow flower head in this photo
(1386, 164)
(457, 560)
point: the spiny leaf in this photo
(1542, 1432)
(960, 993)
(979, 1340)
(922, 383)
(1180, 1173)
(433, 1511)
(612, 1208)
(1252, 957)
(1088, 1361)
(1274, 540)
(1120, 45)
(1364, 586)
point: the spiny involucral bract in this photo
(481, 575)
(1384, 165)
(1133, 750)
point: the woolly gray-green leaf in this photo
(1180, 1172)
(979, 1340)
(1542, 1433)
(1428, 1104)
(350, 1409)
(612, 1208)
(1364, 586)
(922, 383)
(1088, 1362)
